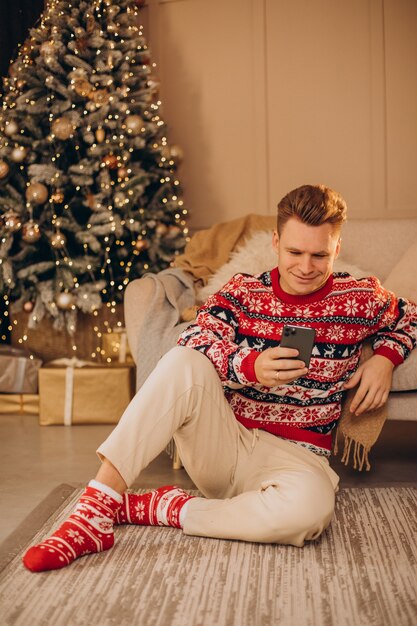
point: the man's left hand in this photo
(374, 376)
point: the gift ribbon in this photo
(123, 348)
(70, 364)
(20, 373)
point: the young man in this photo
(252, 424)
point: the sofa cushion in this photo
(405, 375)
(402, 278)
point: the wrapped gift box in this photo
(115, 346)
(21, 403)
(18, 371)
(87, 394)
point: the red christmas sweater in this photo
(248, 315)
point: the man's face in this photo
(305, 255)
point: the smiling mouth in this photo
(304, 279)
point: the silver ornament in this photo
(134, 124)
(11, 128)
(65, 300)
(18, 154)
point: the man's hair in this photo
(313, 205)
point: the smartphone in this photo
(301, 338)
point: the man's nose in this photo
(306, 266)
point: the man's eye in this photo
(295, 253)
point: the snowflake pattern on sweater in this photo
(248, 315)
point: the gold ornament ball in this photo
(64, 300)
(31, 233)
(133, 124)
(36, 193)
(4, 169)
(58, 196)
(110, 161)
(62, 128)
(122, 173)
(11, 128)
(12, 221)
(176, 153)
(82, 87)
(18, 154)
(28, 306)
(141, 244)
(100, 134)
(58, 240)
(161, 230)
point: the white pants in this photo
(257, 487)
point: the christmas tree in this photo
(89, 195)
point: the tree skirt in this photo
(361, 571)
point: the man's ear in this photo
(339, 243)
(275, 241)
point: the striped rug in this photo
(361, 572)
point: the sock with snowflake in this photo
(165, 506)
(89, 529)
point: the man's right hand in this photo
(274, 366)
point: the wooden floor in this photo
(34, 460)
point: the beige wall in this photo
(265, 95)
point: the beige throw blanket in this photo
(359, 432)
(210, 249)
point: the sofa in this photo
(159, 306)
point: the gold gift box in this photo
(115, 346)
(21, 403)
(92, 394)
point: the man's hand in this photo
(374, 376)
(274, 366)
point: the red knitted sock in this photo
(89, 529)
(160, 507)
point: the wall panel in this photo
(319, 98)
(400, 23)
(206, 68)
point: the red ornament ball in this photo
(111, 161)
(28, 306)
